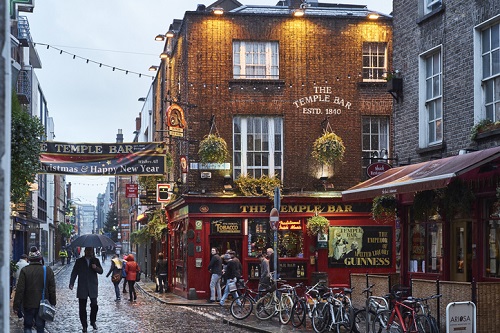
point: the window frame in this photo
(368, 154)
(425, 101)
(241, 151)
(368, 71)
(242, 50)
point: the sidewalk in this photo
(251, 323)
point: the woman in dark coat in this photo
(132, 268)
(162, 272)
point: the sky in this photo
(88, 102)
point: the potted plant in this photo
(483, 126)
(328, 148)
(425, 204)
(456, 199)
(317, 225)
(394, 81)
(250, 186)
(384, 207)
(213, 149)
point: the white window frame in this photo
(371, 153)
(425, 101)
(483, 80)
(266, 57)
(429, 5)
(369, 71)
(274, 155)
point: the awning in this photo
(420, 177)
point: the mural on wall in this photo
(363, 246)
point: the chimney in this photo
(119, 136)
(138, 123)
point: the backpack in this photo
(124, 273)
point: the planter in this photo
(213, 149)
(328, 148)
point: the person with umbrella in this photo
(86, 269)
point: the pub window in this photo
(490, 57)
(426, 247)
(255, 60)
(375, 140)
(374, 61)
(290, 238)
(492, 248)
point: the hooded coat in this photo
(132, 267)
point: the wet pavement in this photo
(153, 312)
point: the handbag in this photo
(116, 277)
(46, 311)
(138, 276)
(232, 285)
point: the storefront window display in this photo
(290, 238)
(426, 247)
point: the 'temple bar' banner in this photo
(103, 159)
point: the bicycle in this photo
(306, 304)
(337, 312)
(275, 302)
(363, 318)
(403, 318)
(246, 301)
(423, 307)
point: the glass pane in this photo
(366, 142)
(428, 67)
(237, 159)
(495, 36)
(257, 173)
(250, 159)
(436, 66)
(486, 66)
(488, 91)
(486, 40)
(258, 160)
(438, 110)
(277, 159)
(264, 159)
(489, 112)
(237, 125)
(495, 62)
(436, 86)
(250, 146)
(432, 128)
(428, 89)
(277, 143)
(439, 130)
(237, 142)
(374, 127)
(431, 111)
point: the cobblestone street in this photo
(148, 314)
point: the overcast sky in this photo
(90, 103)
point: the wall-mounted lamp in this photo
(159, 38)
(170, 34)
(142, 99)
(218, 11)
(164, 55)
(373, 16)
(153, 68)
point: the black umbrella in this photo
(93, 240)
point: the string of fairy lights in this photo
(90, 61)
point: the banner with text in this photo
(103, 159)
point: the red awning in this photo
(420, 177)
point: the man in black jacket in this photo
(86, 269)
(232, 274)
(29, 291)
(215, 267)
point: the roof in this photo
(422, 176)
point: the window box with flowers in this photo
(485, 128)
(317, 225)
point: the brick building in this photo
(269, 83)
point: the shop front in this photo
(354, 242)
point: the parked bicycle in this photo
(363, 318)
(403, 318)
(278, 301)
(422, 307)
(337, 312)
(242, 306)
(306, 305)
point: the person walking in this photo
(63, 255)
(124, 273)
(215, 268)
(86, 269)
(70, 254)
(270, 257)
(23, 261)
(233, 273)
(116, 270)
(104, 255)
(265, 275)
(29, 291)
(132, 268)
(162, 272)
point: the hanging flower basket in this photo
(317, 225)
(384, 207)
(213, 149)
(328, 148)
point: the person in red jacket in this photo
(132, 268)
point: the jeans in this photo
(162, 282)
(215, 293)
(30, 315)
(82, 302)
(226, 292)
(117, 289)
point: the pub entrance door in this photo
(461, 251)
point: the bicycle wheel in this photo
(265, 307)
(318, 317)
(423, 324)
(380, 325)
(434, 324)
(299, 310)
(359, 322)
(348, 319)
(244, 309)
(286, 304)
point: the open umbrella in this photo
(93, 240)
